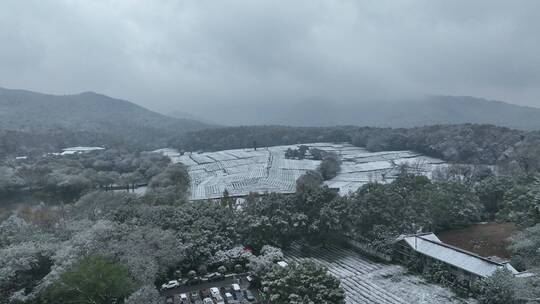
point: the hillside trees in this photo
(22, 266)
(330, 166)
(491, 191)
(67, 177)
(409, 204)
(263, 263)
(321, 212)
(521, 204)
(95, 279)
(270, 219)
(461, 143)
(9, 181)
(266, 136)
(299, 153)
(499, 288)
(310, 179)
(202, 228)
(304, 282)
(314, 214)
(525, 245)
(170, 185)
(147, 294)
(452, 205)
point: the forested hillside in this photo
(465, 143)
(85, 117)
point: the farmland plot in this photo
(242, 171)
(365, 281)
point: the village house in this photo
(463, 266)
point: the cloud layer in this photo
(199, 55)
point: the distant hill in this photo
(184, 115)
(90, 113)
(406, 113)
(465, 109)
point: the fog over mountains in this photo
(92, 112)
(182, 55)
(397, 113)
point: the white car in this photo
(184, 298)
(229, 297)
(219, 299)
(208, 301)
(214, 291)
(236, 287)
(170, 284)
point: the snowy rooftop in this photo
(430, 245)
(75, 150)
(83, 149)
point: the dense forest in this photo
(68, 176)
(465, 143)
(143, 240)
(147, 239)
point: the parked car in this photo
(214, 291)
(169, 300)
(170, 284)
(236, 287)
(249, 295)
(229, 297)
(219, 299)
(184, 298)
(208, 301)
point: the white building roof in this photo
(430, 245)
(282, 264)
(80, 148)
(74, 150)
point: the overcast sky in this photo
(193, 55)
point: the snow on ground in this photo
(366, 281)
(242, 171)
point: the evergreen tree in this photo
(95, 279)
(304, 282)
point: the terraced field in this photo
(370, 282)
(243, 171)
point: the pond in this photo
(485, 239)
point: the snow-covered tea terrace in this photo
(242, 171)
(366, 281)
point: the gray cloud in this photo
(200, 54)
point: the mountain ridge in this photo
(413, 112)
(29, 111)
